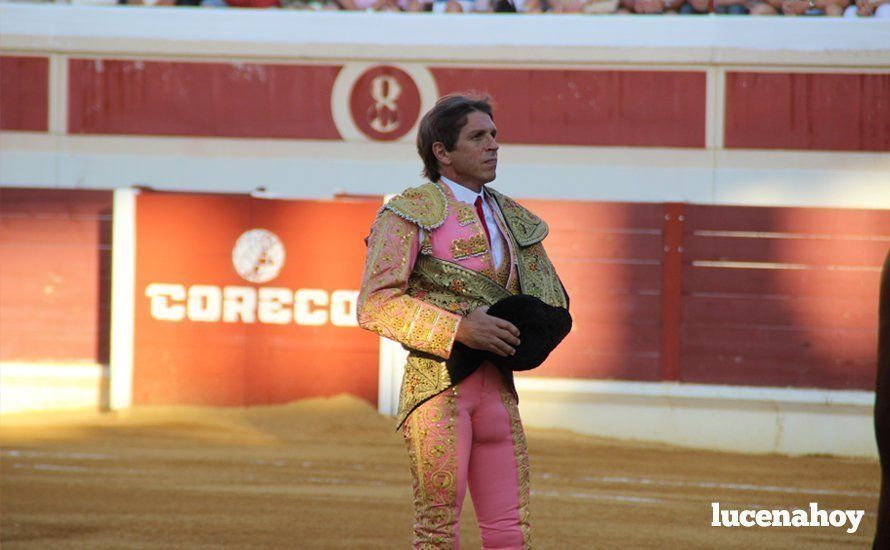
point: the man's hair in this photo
(444, 123)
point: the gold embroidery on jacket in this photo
(467, 248)
(537, 276)
(465, 214)
(426, 247)
(422, 308)
(437, 280)
(489, 272)
(526, 227)
(426, 205)
(502, 274)
(385, 306)
(511, 280)
(434, 281)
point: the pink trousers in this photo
(470, 435)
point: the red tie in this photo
(482, 219)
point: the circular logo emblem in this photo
(384, 103)
(258, 255)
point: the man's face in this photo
(474, 160)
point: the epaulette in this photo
(425, 205)
(527, 228)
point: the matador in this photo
(438, 256)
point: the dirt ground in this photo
(331, 473)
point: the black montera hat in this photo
(541, 328)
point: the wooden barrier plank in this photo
(75, 260)
(30, 342)
(564, 215)
(54, 293)
(837, 344)
(600, 366)
(20, 315)
(587, 246)
(781, 312)
(618, 309)
(595, 279)
(810, 252)
(805, 221)
(627, 350)
(51, 232)
(769, 371)
(70, 202)
(642, 335)
(852, 284)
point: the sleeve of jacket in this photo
(385, 307)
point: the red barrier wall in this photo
(748, 296)
(207, 356)
(55, 275)
(781, 296)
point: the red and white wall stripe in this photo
(705, 110)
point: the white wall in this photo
(722, 418)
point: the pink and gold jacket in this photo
(417, 292)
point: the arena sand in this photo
(332, 473)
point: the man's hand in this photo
(482, 331)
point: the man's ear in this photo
(441, 154)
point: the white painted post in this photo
(123, 287)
